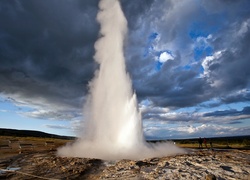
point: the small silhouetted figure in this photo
(205, 142)
(200, 142)
(211, 143)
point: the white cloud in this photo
(51, 115)
(210, 60)
(204, 40)
(57, 126)
(165, 57)
(244, 28)
(187, 131)
(42, 108)
(158, 115)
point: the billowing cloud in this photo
(231, 112)
(203, 130)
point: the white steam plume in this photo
(113, 128)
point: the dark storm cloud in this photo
(46, 49)
(231, 69)
(239, 97)
(171, 86)
(46, 52)
(175, 86)
(135, 10)
(185, 117)
(231, 112)
(231, 6)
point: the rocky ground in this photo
(197, 164)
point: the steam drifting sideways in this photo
(113, 127)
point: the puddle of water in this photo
(13, 169)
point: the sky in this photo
(189, 62)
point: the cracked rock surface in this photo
(196, 164)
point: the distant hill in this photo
(30, 133)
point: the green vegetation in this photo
(239, 142)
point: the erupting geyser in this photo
(113, 128)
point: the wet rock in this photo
(210, 177)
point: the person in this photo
(205, 142)
(211, 143)
(200, 142)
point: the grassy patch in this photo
(241, 142)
